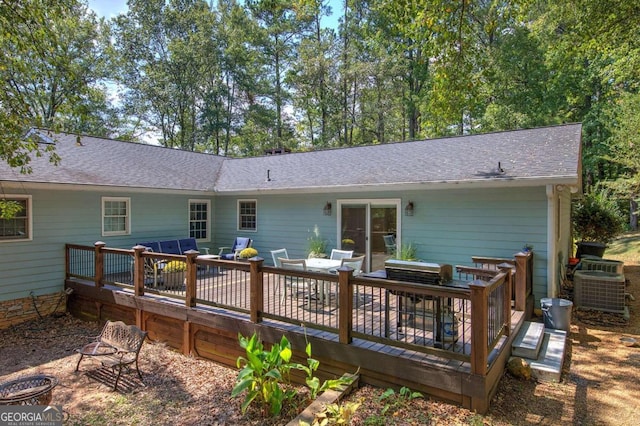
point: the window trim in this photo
(29, 218)
(248, 200)
(127, 231)
(208, 221)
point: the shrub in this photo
(263, 374)
(597, 217)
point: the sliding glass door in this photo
(363, 226)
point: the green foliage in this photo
(396, 401)
(9, 209)
(51, 63)
(597, 217)
(406, 252)
(313, 383)
(336, 414)
(316, 244)
(264, 374)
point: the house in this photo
(449, 198)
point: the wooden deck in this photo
(359, 325)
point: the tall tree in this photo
(282, 26)
(51, 66)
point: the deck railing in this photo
(462, 323)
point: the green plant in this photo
(248, 253)
(406, 252)
(175, 266)
(313, 383)
(597, 217)
(317, 244)
(263, 374)
(336, 414)
(347, 241)
(396, 401)
(9, 209)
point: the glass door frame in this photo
(368, 203)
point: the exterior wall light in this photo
(327, 209)
(408, 210)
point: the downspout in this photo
(552, 242)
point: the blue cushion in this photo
(153, 245)
(241, 243)
(187, 244)
(170, 247)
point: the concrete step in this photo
(529, 340)
(548, 365)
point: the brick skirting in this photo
(20, 310)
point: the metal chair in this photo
(280, 253)
(390, 244)
(295, 283)
(341, 254)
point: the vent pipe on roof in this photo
(268, 175)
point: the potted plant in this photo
(317, 244)
(406, 252)
(173, 274)
(348, 244)
(248, 253)
(597, 220)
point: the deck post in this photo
(99, 263)
(524, 262)
(138, 270)
(506, 305)
(257, 288)
(479, 327)
(192, 270)
(345, 304)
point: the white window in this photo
(247, 215)
(18, 226)
(116, 216)
(199, 219)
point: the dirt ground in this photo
(600, 383)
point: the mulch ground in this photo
(600, 383)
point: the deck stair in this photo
(543, 349)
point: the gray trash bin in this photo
(556, 313)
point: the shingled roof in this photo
(522, 157)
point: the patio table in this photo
(322, 265)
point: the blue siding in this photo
(61, 217)
(448, 226)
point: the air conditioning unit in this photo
(604, 265)
(603, 291)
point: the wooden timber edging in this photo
(326, 398)
(212, 333)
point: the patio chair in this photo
(390, 244)
(170, 247)
(341, 254)
(239, 244)
(152, 267)
(280, 253)
(354, 263)
(296, 284)
(187, 244)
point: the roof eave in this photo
(412, 186)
